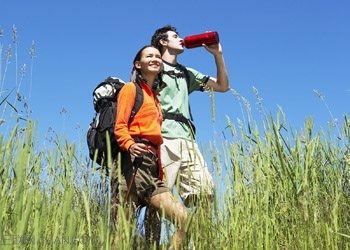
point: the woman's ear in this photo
(137, 65)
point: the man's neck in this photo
(172, 59)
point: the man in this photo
(180, 155)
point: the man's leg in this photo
(196, 181)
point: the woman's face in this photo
(150, 62)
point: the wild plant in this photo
(277, 187)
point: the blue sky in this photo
(283, 48)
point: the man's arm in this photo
(221, 82)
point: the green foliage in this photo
(278, 193)
(288, 194)
(276, 189)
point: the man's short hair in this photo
(161, 34)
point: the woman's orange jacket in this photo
(146, 123)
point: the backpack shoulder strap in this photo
(187, 76)
(138, 101)
(183, 74)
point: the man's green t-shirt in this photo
(174, 98)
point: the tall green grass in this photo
(278, 193)
(276, 189)
(284, 190)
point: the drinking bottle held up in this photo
(195, 41)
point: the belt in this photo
(152, 154)
(145, 141)
(152, 148)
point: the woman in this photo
(140, 142)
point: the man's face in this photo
(174, 42)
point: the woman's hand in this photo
(138, 149)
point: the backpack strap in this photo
(187, 77)
(183, 74)
(138, 101)
(179, 117)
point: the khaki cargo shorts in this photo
(183, 162)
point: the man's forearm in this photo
(221, 74)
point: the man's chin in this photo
(181, 50)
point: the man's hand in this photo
(214, 49)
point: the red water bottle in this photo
(195, 41)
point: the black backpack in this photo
(102, 125)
